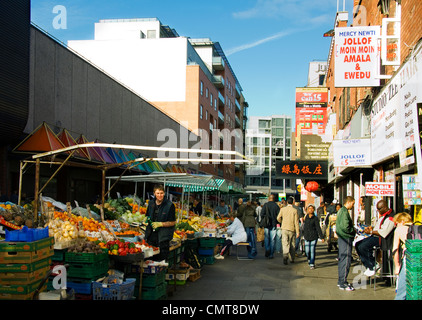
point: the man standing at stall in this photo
(162, 214)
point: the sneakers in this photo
(218, 256)
(369, 272)
(346, 287)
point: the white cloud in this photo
(258, 42)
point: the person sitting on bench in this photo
(236, 232)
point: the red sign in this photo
(379, 189)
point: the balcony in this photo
(220, 117)
(218, 81)
(238, 109)
(237, 121)
(218, 63)
(221, 100)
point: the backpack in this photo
(414, 232)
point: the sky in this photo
(269, 43)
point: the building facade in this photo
(191, 80)
(378, 123)
(268, 140)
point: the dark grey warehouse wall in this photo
(68, 92)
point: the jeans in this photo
(269, 241)
(277, 245)
(344, 259)
(250, 232)
(310, 249)
(365, 250)
(401, 283)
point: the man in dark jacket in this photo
(270, 209)
(162, 213)
(346, 234)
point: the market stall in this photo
(95, 249)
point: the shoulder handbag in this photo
(265, 221)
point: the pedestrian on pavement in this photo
(403, 221)
(299, 248)
(311, 233)
(236, 233)
(322, 210)
(277, 245)
(271, 210)
(249, 220)
(382, 236)
(289, 230)
(346, 234)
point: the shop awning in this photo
(42, 139)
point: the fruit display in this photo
(17, 215)
(86, 247)
(122, 248)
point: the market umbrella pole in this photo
(36, 188)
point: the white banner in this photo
(357, 58)
(385, 189)
(352, 153)
(394, 124)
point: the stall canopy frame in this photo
(52, 159)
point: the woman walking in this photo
(311, 232)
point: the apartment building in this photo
(268, 140)
(191, 80)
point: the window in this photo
(206, 114)
(211, 99)
(200, 111)
(151, 34)
(202, 88)
(206, 93)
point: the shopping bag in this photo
(260, 235)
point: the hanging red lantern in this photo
(312, 186)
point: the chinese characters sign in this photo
(301, 169)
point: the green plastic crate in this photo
(207, 259)
(153, 280)
(414, 246)
(207, 242)
(156, 293)
(85, 257)
(88, 270)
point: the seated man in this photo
(381, 236)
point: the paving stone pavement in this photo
(270, 279)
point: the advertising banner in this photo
(385, 189)
(357, 56)
(394, 114)
(311, 110)
(352, 153)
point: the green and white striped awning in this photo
(190, 182)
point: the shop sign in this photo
(352, 153)
(302, 169)
(375, 189)
(357, 57)
(394, 113)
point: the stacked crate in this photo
(24, 267)
(206, 249)
(154, 286)
(414, 269)
(83, 269)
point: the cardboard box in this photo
(23, 277)
(7, 257)
(26, 246)
(25, 267)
